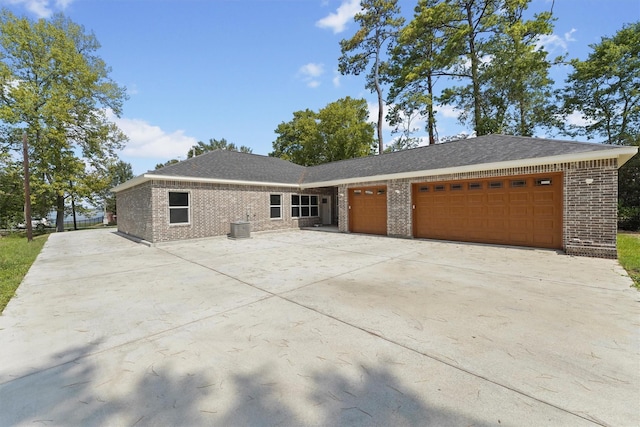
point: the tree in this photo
(53, 84)
(515, 82)
(379, 25)
(338, 131)
(117, 172)
(167, 163)
(487, 45)
(11, 191)
(605, 89)
(215, 144)
(417, 60)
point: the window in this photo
(543, 181)
(439, 187)
(304, 206)
(495, 184)
(455, 187)
(275, 206)
(475, 186)
(178, 207)
(424, 189)
(518, 183)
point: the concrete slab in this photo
(311, 328)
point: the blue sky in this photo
(235, 69)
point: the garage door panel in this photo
(496, 198)
(368, 210)
(477, 211)
(543, 196)
(539, 211)
(497, 211)
(475, 199)
(518, 210)
(519, 198)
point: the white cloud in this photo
(577, 119)
(336, 78)
(337, 21)
(40, 8)
(553, 42)
(310, 72)
(447, 111)
(149, 141)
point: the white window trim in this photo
(281, 206)
(188, 207)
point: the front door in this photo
(325, 212)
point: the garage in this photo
(368, 210)
(517, 210)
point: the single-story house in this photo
(496, 189)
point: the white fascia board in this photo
(149, 177)
(623, 154)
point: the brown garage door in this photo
(521, 210)
(368, 210)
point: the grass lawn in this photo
(629, 255)
(16, 256)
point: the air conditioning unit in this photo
(240, 230)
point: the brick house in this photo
(492, 189)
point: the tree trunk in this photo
(431, 120)
(59, 212)
(73, 210)
(473, 56)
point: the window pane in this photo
(304, 200)
(314, 211)
(295, 200)
(275, 199)
(295, 211)
(178, 199)
(178, 216)
(305, 211)
(275, 212)
(314, 200)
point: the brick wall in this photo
(589, 206)
(135, 211)
(214, 207)
(589, 210)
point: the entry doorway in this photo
(325, 210)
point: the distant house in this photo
(492, 189)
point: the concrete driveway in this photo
(317, 328)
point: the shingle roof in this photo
(489, 150)
(471, 151)
(235, 166)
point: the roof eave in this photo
(149, 177)
(623, 154)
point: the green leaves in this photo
(489, 53)
(53, 84)
(338, 131)
(379, 25)
(605, 89)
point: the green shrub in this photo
(629, 218)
